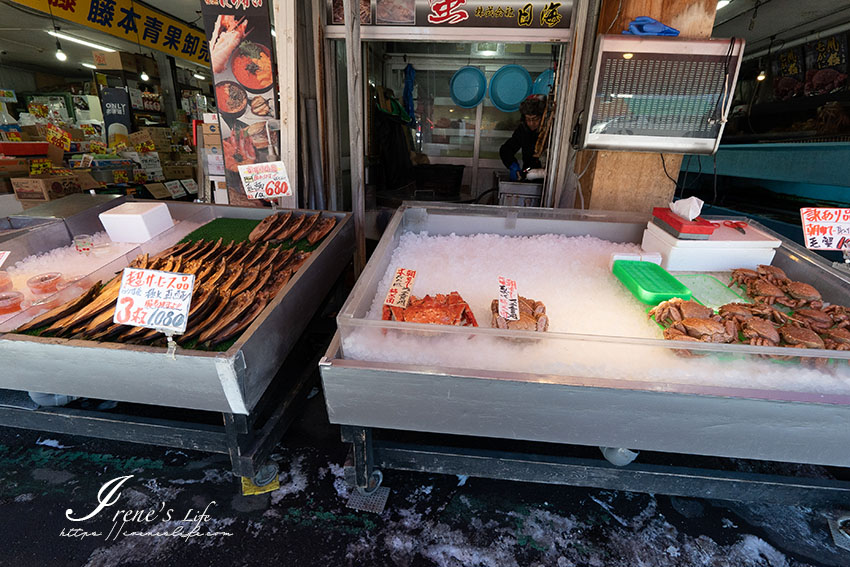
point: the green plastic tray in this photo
(649, 282)
(710, 291)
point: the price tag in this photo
(190, 185)
(98, 147)
(508, 299)
(154, 299)
(826, 229)
(88, 129)
(175, 189)
(140, 176)
(118, 147)
(120, 176)
(40, 165)
(14, 137)
(37, 110)
(85, 163)
(3, 256)
(58, 137)
(399, 293)
(265, 180)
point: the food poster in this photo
(789, 73)
(116, 115)
(458, 13)
(826, 65)
(244, 77)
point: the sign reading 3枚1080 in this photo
(154, 299)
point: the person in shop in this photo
(524, 138)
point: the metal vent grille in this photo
(661, 94)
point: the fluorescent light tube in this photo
(73, 39)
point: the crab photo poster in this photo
(243, 67)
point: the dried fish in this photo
(62, 311)
(305, 228)
(321, 229)
(261, 229)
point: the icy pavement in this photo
(176, 507)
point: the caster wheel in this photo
(266, 474)
(375, 480)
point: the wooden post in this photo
(353, 57)
(285, 25)
(635, 181)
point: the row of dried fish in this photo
(233, 284)
(280, 227)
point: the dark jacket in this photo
(523, 138)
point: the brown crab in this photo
(439, 309)
(840, 315)
(837, 339)
(802, 294)
(815, 319)
(772, 274)
(532, 316)
(743, 276)
(703, 330)
(800, 337)
(673, 310)
(762, 291)
(760, 332)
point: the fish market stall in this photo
(587, 365)
(254, 297)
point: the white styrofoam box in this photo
(720, 253)
(136, 222)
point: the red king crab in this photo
(240, 148)
(671, 311)
(702, 330)
(532, 316)
(802, 294)
(439, 309)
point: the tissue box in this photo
(136, 222)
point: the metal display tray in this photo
(584, 408)
(232, 381)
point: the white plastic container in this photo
(136, 222)
(725, 250)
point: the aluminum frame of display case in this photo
(235, 383)
(684, 419)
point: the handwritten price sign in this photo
(154, 299)
(58, 137)
(508, 299)
(265, 180)
(399, 293)
(826, 229)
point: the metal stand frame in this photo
(369, 455)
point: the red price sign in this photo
(399, 293)
(58, 137)
(826, 229)
(154, 299)
(265, 180)
(98, 148)
(508, 299)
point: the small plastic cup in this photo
(5, 281)
(80, 281)
(10, 301)
(83, 243)
(47, 301)
(44, 283)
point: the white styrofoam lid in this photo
(722, 237)
(134, 209)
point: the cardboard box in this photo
(14, 167)
(45, 187)
(211, 129)
(117, 61)
(33, 150)
(5, 186)
(178, 171)
(212, 141)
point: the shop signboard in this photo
(131, 21)
(514, 14)
(154, 299)
(826, 229)
(116, 115)
(242, 58)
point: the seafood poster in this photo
(243, 67)
(826, 229)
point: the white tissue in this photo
(687, 208)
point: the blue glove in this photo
(514, 169)
(649, 26)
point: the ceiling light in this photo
(199, 77)
(761, 76)
(89, 65)
(60, 55)
(144, 76)
(73, 39)
(722, 3)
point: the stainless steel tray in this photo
(232, 381)
(588, 409)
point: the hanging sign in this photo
(826, 229)
(399, 293)
(508, 299)
(265, 180)
(58, 137)
(154, 299)
(242, 60)
(130, 21)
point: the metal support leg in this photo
(367, 479)
(237, 432)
